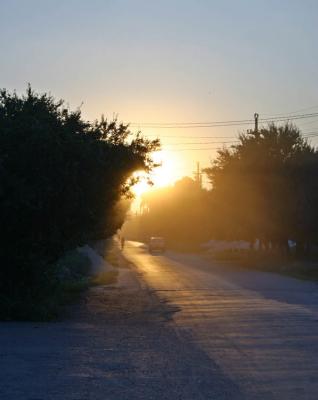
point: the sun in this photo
(164, 175)
(141, 187)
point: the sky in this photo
(167, 61)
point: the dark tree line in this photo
(61, 180)
(265, 188)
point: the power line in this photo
(308, 132)
(294, 112)
(203, 137)
(192, 137)
(190, 126)
(189, 123)
(311, 135)
(307, 135)
(213, 124)
(309, 122)
(192, 143)
(192, 149)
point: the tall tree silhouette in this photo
(60, 181)
(264, 187)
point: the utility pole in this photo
(255, 132)
(198, 176)
(256, 125)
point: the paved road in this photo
(117, 344)
(259, 329)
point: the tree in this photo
(264, 187)
(177, 213)
(60, 180)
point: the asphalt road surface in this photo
(175, 327)
(257, 332)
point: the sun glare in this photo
(164, 175)
(140, 187)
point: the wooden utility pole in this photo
(256, 124)
(198, 176)
(254, 132)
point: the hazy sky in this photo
(161, 61)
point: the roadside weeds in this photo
(261, 261)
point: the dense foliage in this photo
(61, 179)
(264, 188)
(178, 213)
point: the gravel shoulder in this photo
(118, 343)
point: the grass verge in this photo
(267, 262)
(105, 278)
